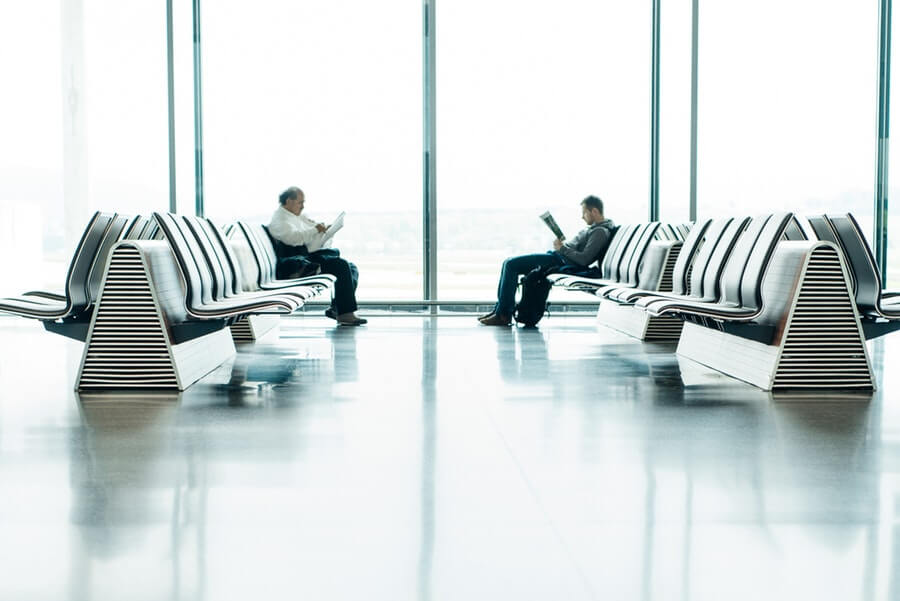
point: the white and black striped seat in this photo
(634, 254)
(77, 299)
(228, 267)
(741, 283)
(674, 231)
(689, 251)
(620, 264)
(794, 231)
(692, 277)
(667, 231)
(264, 253)
(121, 228)
(707, 268)
(201, 299)
(76, 326)
(116, 230)
(609, 266)
(224, 268)
(875, 305)
(632, 260)
(141, 228)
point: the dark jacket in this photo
(590, 244)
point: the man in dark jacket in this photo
(582, 250)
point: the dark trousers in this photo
(347, 275)
(509, 277)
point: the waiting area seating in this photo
(256, 255)
(68, 312)
(768, 306)
(879, 309)
(160, 301)
(637, 258)
(163, 312)
(152, 299)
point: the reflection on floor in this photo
(420, 458)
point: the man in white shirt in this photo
(294, 232)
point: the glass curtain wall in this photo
(675, 111)
(125, 95)
(326, 96)
(84, 127)
(536, 109)
(33, 242)
(893, 247)
(183, 67)
(787, 107)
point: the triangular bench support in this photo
(818, 342)
(130, 343)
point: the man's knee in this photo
(511, 262)
(336, 264)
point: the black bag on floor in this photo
(533, 304)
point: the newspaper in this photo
(550, 222)
(325, 237)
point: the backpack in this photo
(533, 304)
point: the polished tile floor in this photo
(431, 458)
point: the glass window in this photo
(893, 250)
(33, 245)
(126, 100)
(536, 109)
(787, 107)
(326, 96)
(183, 59)
(84, 127)
(675, 112)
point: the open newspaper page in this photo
(550, 222)
(325, 237)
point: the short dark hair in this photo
(592, 202)
(289, 194)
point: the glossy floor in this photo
(420, 458)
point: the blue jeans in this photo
(513, 267)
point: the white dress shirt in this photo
(293, 230)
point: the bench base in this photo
(747, 360)
(638, 323)
(253, 327)
(130, 343)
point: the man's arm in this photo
(292, 235)
(596, 242)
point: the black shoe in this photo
(330, 313)
(496, 320)
(356, 321)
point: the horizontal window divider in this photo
(449, 303)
